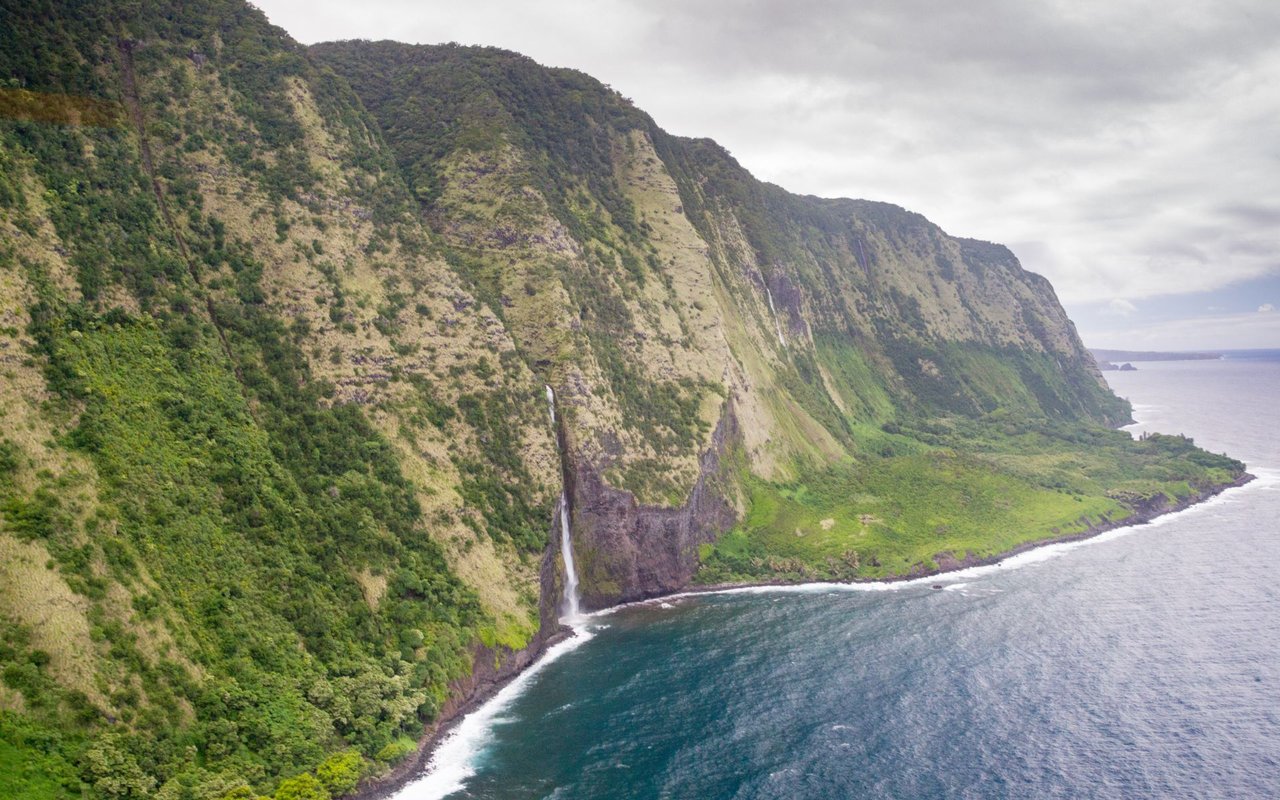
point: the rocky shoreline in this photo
(472, 692)
(487, 681)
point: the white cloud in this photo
(1219, 332)
(1266, 308)
(1121, 307)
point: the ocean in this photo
(1144, 663)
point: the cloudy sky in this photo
(1127, 150)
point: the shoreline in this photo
(386, 784)
(414, 766)
(1141, 516)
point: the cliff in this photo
(277, 479)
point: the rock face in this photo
(629, 551)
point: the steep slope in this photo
(277, 477)
(667, 294)
(271, 475)
(611, 248)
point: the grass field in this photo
(890, 515)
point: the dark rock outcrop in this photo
(628, 551)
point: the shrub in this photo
(302, 787)
(397, 750)
(340, 772)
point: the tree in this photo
(114, 771)
(301, 787)
(340, 772)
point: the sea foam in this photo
(454, 759)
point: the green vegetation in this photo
(236, 588)
(976, 489)
(492, 484)
(565, 124)
(491, 98)
(37, 761)
(253, 539)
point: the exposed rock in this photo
(630, 551)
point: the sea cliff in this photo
(278, 485)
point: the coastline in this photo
(487, 688)
(1141, 516)
(384, 785)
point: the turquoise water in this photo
(1144, 663)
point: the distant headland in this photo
(1109, 359)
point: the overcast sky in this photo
(1128, 151)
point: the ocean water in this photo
(1144, 663)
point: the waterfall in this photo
(774, 311)
(570, 606)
